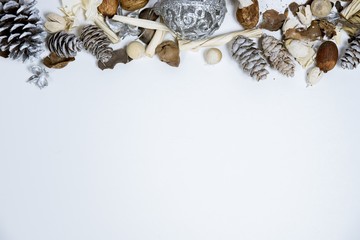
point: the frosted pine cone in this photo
(351, 58)
(277, 55)
(249, 57)
(64, 45)
(21, 30)
(95, 41)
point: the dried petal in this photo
(54, 61)
(118, 56)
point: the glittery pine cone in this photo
(64, 45)
(96, 42)
(249, 57)
(351, 58)
(277, 55)
(21, 30)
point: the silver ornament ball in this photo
(192, 19)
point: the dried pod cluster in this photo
(310, 34)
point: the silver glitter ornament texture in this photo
(192, 19)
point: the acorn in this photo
(132, 5)
(327, 56)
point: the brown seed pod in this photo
(147, 34)
(132, 5)
(169, 53)
(108, 7)
(248, 16)
(327, 56)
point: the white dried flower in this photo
(313, 76)
(301, 51)
(291, 23)
(305, 15)
(55, 23)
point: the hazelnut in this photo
(135, 50)
(327, 56)
(132, 5)
(169, 53)
(321, 8)
(213, 56)
(108, 7)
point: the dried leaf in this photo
(312, 33)
(273, 20)
(118, 56)
(54, 61)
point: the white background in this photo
(147, 151)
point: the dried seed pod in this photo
(277, 55)
(147, 34)
(132, 5)
(351, 57)
(96, 42)
(64, 44)
(249, 57)
(109, 7)
(273, 20)
(321, 8)
(169, 53)
(248, 13)
(54, 61)
(327, 56)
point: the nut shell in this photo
(132, 5)
(249, 16)
(327, 56)
(108, 7)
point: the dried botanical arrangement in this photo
(310, 34)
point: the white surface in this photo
(147, 151)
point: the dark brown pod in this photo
(327, 56)
(147, 34)
(249, 16)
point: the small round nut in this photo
(135, 50)
(213, 56)
(327, 56)
(321, 8)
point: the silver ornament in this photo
(40, 76)
(192, 19)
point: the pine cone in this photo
(277, 55)
(95, 41)
(64, 45)
(21, 30)
(249, 57)
(351, 58)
